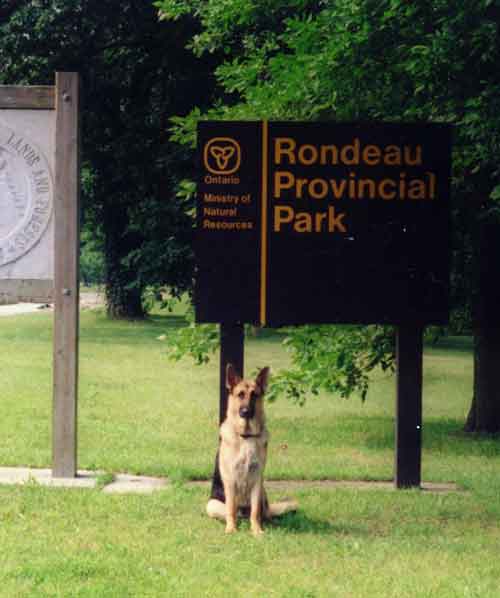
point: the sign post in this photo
(408, 449)
(66, 280)
(232, 343)
(315, 223)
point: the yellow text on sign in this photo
(286, 218)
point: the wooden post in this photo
(232, 345)
(66, 276)
(408, 454)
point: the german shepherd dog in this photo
(238, 484)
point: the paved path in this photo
(120, 483)
(123, 483)
(20, 308)
(88, 300)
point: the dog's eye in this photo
(241, 394)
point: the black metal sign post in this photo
(408, 453)
(232, 342)
(316, 223)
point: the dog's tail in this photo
(276, 509)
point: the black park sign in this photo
(323, 223)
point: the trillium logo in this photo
(222, 155)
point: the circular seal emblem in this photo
(26, 195)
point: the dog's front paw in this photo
(257, 531)
(230, 528)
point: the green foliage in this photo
(198, 341)
(362, 60)
(92, 269)
(335, 359)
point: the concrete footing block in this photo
(43, 477)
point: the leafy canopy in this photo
(342, 60)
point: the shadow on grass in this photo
(300, 523)
(376, 433)
(268, 335)
(166, 321)
(462, 344)
(444, 436)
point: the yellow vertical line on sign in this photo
(263, 236)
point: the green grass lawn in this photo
(140, 413)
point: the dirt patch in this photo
(285, 485)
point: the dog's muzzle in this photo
(246, 413)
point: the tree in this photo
(135, 74)
(385, 60)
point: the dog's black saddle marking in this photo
(217, 485)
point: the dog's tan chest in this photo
(242, 464)
(247, 462)
(247, 470)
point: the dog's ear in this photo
(232, 378)
(262, 379)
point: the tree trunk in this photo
(123, 289)
(484, 414)
(122, 302)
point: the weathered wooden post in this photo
(66, 276)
